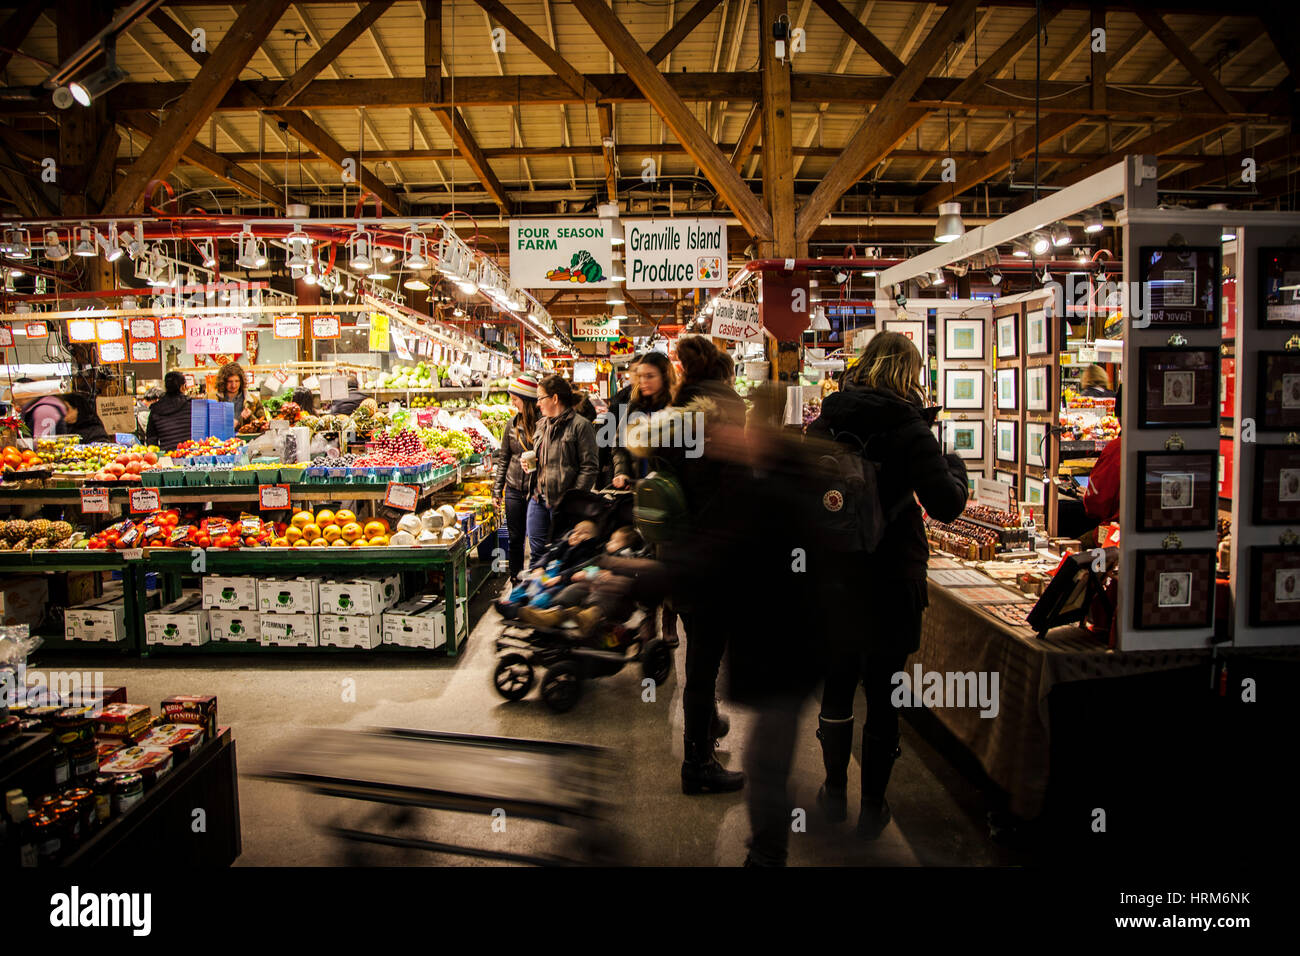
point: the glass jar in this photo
(84, 799)
(128, 790)
(47, 837)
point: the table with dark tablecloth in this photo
(1014, 747)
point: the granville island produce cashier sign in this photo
(672, 253)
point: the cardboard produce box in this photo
(239, 627)
(181, 623)
(360, 596)
(288, 630)
(102, 620)
(419, 622)
(288, 595)
(23, 600)
(229, 593)
(351, 630)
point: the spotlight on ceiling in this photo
(359, 250)
(1020, 249)
(995, 276)
(1039, 242)
(1060, 234)
(102, 80)
(206, 250)
(55, 250)
(949, 226)
(112, 250)
(938, 278)
(1092, 220)
(415, 249)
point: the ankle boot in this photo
(551, 617)
(703, 774)
(878, 756)
(719, 724)
(836, 737)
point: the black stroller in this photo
(566, 663)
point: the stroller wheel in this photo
(513, 677)
(656, 660)
(562, 686)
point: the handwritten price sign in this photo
(144, 351)
(214, 336)
(402, 497)
(288, 327)
(94, 501)
(325, 327)
(172, 327)
(144, 501)
(272, 497)
(144, 329)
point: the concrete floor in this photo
(939, 815)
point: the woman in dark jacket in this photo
(169, 417)
(86, 422)
(512, 486)
(707, 404)
(652, 389)
(566, 458)
(881, 595)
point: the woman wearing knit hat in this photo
(513, 486)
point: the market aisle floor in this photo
(937, 817)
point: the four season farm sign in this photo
(556, 253)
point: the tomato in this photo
(97, 544)
(251, 542)
(203, 540)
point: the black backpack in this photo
(849, 514)
(660, 507)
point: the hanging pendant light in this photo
(359, 250)
(55, 250)
(85, 241)
(415, 248)
(949, 225)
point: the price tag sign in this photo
(209, 336)
(399, 343)
(272, 497)
(144, 501)
(1087, 355)
(288, 327)
(108, 330)
(81, 330)
(94, 501)
(132, 554)
(378, 332)
(325, 327)
(6, 337)
(171, 327)
(144, 351)
(144, 329)
(112, 352)
(402, 497)
(37, 330)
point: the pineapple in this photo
(60, 530)
(22, 544)
(15, 530)
(39, 527)
(64, 544)
(41, 544)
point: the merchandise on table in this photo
(37, 534)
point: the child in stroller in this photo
(565, 560)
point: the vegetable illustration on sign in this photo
(582, 268)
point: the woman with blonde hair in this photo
(880, 596)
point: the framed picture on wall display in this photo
(1275, 586)
(1006, 336)
(1179, 387)
(1181, 286)
(963, 340)
(1006, 389)
(1038, 333)
(963, 388)
(913, 330)
(964, 439)
(1036, 389)
(1033, 491)
(1279, 288)
(1277, 484)
(1006, 477)
(1005, 431)
(1036, 449)
(1174, 589)
(1179, 490)
(1277, 402)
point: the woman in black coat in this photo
(169, 417)
(512, 486)
(881, 595)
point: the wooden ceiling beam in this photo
(178, 35)
(887, 124)
(328, 148)
(16, 27)
(680, 30)
(538, 47)
(470, 151)
(1172, 137)
(870, 43)
(197, 103)
(1226, 170)
(220, 166)
(329, 51)
(605, 114)
(678, 116)
(1200, 72)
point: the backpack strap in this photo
(889, 514)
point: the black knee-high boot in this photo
(836, 737)
(878, 756)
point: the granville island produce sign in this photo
(676, 253)
(555, 253)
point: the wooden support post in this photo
(1098, 21)
(433, 51)
(778, 145)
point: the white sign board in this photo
(584, 371)
(600, 327)
(559, 253)
(214, 336)
(116, 413)
(736, 320)
(992, 494)
(675, 253)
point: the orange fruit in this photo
(310, 532)
(331, 533)
(340, 543)
(379, 540)
(300, 543)
(375, 527)
(325, 517)
(351, 531)
(293, 533)
(279, 542)
(301, 519)
(319, 543)
(359, 543)
(343, 516)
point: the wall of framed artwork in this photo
(964, 350)
(1006, 447)
(965, 439)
